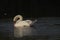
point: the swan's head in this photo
(17, 17)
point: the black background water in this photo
(29, 8)
(48, 28)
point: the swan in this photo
(19, 22)
(21, 27)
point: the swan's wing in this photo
(22, 24)
(29, 21)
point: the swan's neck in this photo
(18, 21)
(17, 18)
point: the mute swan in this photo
(19, 22)
(21, 27)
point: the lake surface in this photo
(47, 28)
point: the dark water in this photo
(47, 29)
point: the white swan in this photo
(21, 27)
(19, 22)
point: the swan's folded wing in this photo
(21, 24)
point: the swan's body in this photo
(21, 27)
(22, 24)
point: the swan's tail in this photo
(33, 22)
